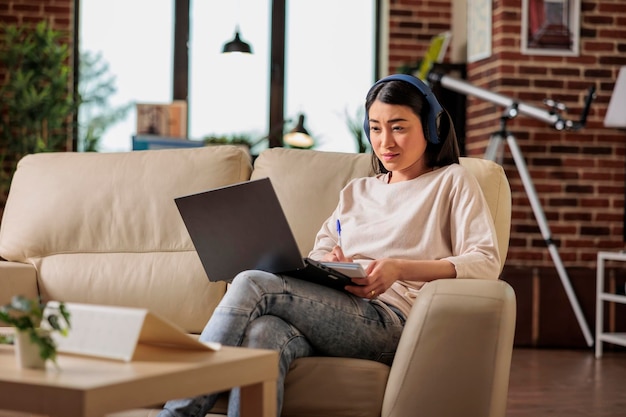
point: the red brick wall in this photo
(412, 24)
(58, 12)
(578, 176)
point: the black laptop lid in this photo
(240, 227)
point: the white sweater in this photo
(439, 215)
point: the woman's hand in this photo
(381, 273)
(336, 255)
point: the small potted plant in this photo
(34, 325)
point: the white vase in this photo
(27, 352)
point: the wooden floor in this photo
(567, 383)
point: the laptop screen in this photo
(240, 227)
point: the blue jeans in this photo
(298, 319)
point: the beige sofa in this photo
(104, 229)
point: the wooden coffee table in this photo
(89, 387)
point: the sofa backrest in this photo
(308, 183)
(103, 228)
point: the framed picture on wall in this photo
(478, 29)
(551, 27)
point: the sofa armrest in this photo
(455, 352)
(17, 278)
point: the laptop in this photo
(241, 227)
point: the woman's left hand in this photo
(381, 273)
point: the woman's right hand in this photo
(336, 255)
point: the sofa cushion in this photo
(307, 183)
(104, 228)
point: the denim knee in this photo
(257, 282)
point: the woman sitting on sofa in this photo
(422, 217)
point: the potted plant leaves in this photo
(33, 326)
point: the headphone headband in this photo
(434, 111)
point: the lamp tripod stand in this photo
(494, 152)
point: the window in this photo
(228, 93)
(329, 64)
(135, 39)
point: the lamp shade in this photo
(298, 137)
(237, 45)
(616, 112)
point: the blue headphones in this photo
(433, 114)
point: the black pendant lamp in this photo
(299, 137)
(237, 45)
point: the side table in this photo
(603, 296)
(92, 387)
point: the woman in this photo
(421, 218)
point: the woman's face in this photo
(398, 140)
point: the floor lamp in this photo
(494, 151)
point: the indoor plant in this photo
(34, 325)
(38, 102)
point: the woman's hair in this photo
(401, 93)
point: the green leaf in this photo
(37, 93)
(26, 315)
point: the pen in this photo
(338, 232)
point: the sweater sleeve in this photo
(473, 234)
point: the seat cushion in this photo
(337, 387)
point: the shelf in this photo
(615, 338)
(603, 296)
(616, 298)
(612, 256)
